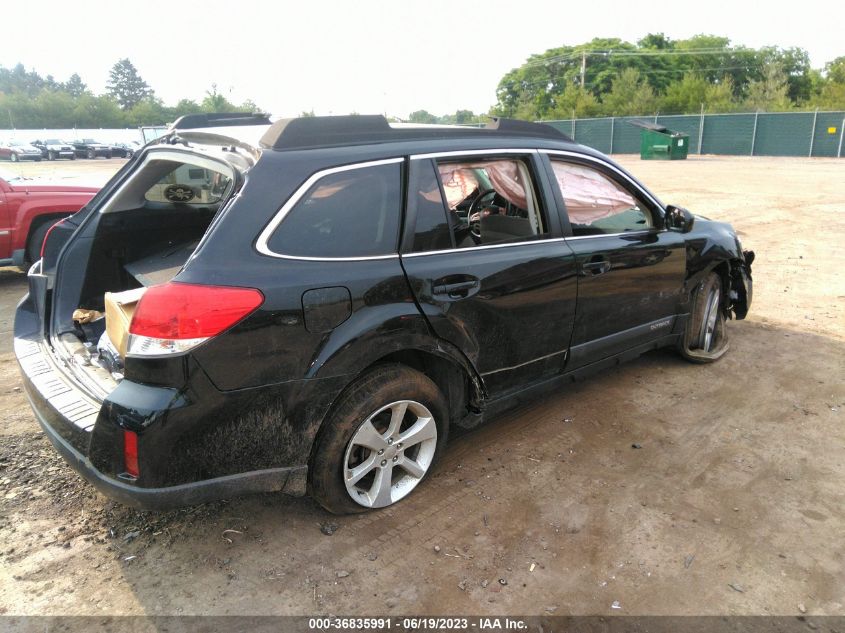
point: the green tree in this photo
(771, 92)
(422, 116)
(719, 96)
(74, 86)
(126, 86)
(629, 94)
(686, 95)
(148, 112)
(216, 102)
(575, 101)
(831, 90)
(92, 112)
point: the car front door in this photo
(487, 263)
(631, 270)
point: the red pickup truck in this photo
(28, 208)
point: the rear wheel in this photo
(14, 157)
(380, 441)
(706, 336)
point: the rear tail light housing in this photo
(176, 317)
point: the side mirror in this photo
(678, 219)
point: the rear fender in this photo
(358, 343)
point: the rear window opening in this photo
(142, 236)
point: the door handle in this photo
(596, 266)
(456, 290)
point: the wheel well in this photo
(452, 380)
(723, 269)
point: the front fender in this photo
(714, 246)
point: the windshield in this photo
(90, 141)
(53, 141)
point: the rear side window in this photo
(432, 231)
(596, 204)
(353, 213)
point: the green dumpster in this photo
(659, 142)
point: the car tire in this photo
(51, 155)
(36, 239)
(73, 156)
(379, 410)
(13, 157)
(705, 337)
(91, 154)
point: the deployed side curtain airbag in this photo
(588, 195)
(504, 175)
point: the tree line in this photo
(603, 77)
(611, 77)
(30, 101)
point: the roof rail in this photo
(373, 128)
(219, 119)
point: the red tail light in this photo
(174, 317)
(130, 453)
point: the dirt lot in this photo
(734, 504)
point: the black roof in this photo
(310, 132)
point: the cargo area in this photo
(140, 236)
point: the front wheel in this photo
(51, 155)
(380, 441)
(706, 335)
(91, 154)
(14, 157)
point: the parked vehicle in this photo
(28, 208)
(314, 310)
(122, 150)
(89, 148)
(53, 149)
(16, 151)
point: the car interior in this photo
(490, 201)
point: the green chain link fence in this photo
(746, 134)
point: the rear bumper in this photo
(68, 419)
(291, 480)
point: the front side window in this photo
(490, 201)
(352, 213)
(596, 204)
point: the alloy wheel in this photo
(390, 453)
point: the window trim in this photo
(265, 235)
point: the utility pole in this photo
(583, 67)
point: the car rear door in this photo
(506, 296)
(631, 270)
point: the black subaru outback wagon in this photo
(310, 305)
